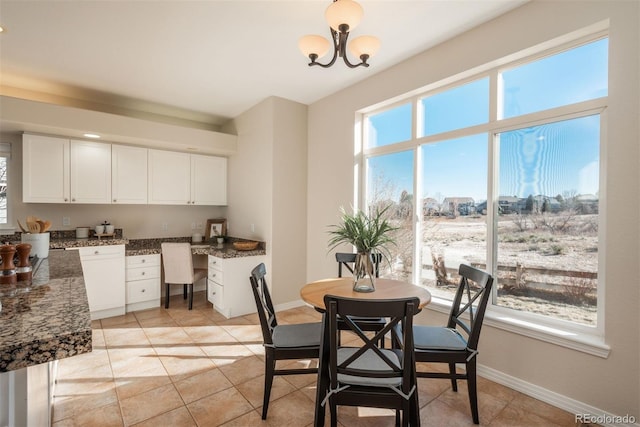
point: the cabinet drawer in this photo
(140, 273)
(143, 260)
(215, 263)
(99, 251)
(143, 290)
(216, 295)
(216, 276)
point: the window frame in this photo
(585, 338)
(5, 152)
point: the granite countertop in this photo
(226, 250)
(47, 319)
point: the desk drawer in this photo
(143, 290)
(140, 273)
(216, 276)
(143, 260)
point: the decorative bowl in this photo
(245, 246)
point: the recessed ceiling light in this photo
(1, 29)
(92, 135)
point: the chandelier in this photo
(342, 17)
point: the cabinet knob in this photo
(96, 252)
(143, 273)
(66, 200)
(213, 275)
(73, 200)
(144, 260)
(143, 290)
(114, 200)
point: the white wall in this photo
(267, 188)
(610, 384)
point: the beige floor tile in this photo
(488, 406)
(105, 416)
(124, 337)
(253, 390)
(184, 361)
(167, 335)
(136, 376)
(229, 354)
(429, 389)
(201, 385)
(125, 321)
(249, 419)
(438, 413)
(251, 334)
(150, 404)
(73, 399)
(364, 417)
(179, 417)
(544, 410)
(242, 369)
(513, 416)
(294, 409)
(234, 321)
(85, 365)
(209, 335)
(192, 318)
(219, 408)
(151, 313)
(158, 321)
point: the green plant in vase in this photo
(368, 234)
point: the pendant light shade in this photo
(364, 45)
(314, 45)
(346, 12)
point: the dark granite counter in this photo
(47, 319)
(226, 250)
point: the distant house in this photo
(450, 205)
(430, 206)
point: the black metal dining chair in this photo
(371, 324)
(363, 374)
(281, 342)
(457, 342)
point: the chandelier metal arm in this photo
(339, 49)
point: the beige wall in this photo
(610, 384)
(267, 188)
(137, 221)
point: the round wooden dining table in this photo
(313, 293)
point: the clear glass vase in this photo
(364, 278)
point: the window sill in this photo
(589, 343)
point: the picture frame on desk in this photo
(216, 227)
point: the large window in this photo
(506, 180)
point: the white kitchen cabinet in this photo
(142, 282)
(169, 178)
(128, 174)
(45, 169)
(59, 170)
(186, 179)
(229, 287)
(90, 172)
(103, 268)
(208, 180)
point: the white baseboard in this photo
(573, 406)
(289, 305)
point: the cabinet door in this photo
(128, 175)
(208, 180)
(169, 178)
(103, 268)
(90, 172)
(45, 169)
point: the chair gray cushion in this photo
(369, 361)
(299, 335)
(437, 338)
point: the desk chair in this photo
(177, 262)
(281, 342)
(372, 324)
(457, 342)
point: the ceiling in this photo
(206, 61)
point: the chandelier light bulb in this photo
(346, 12)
